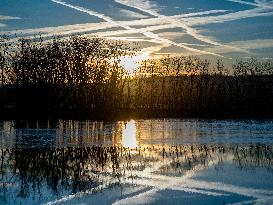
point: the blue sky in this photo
(211, 28)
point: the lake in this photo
(155, 161)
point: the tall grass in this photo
(81, 77)
(191, 87)
(62, 77)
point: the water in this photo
(167, 161)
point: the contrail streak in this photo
(147, 34)
(180, 23)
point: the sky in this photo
(227, 29)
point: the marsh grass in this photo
(80, 77)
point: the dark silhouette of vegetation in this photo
(190, 87)
(61, 77)
(80, 77)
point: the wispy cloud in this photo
(3, 18)
(132, 14)
(176, 21)
(8, 17)
(92, 27)
(249, 45)
(63, 30)
(180, 23)
(142, 31)
(146, 6)
(256, 12)
(256, 3)
(254, 44)
(149, 21)
(262, 8)
(244, 2)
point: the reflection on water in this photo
(129, 135)
(55, 175)
(137, 132)
(141, 161)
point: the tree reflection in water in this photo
(81, 169)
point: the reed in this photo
(80, 77)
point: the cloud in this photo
(256, 3)
(85, 10)
(244, 2)
(178, 23)
(146, 6)
(92, 27)
(146, 31)
(247, 45)
(155, 50)
(171, 35)
(132, 14)
(261, 9)
(143, 31)
(3, 18)
(8, 17)
(254, 44)
(63, 30)
(150, 20)
(256, 12)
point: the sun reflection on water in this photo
(129, 135)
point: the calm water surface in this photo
(166, 161)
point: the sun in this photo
(131, 63)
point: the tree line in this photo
(81, 77)
(61, 77)
(193, 87)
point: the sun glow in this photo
(131, 63)
(129, 135)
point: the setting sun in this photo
(131, 63)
